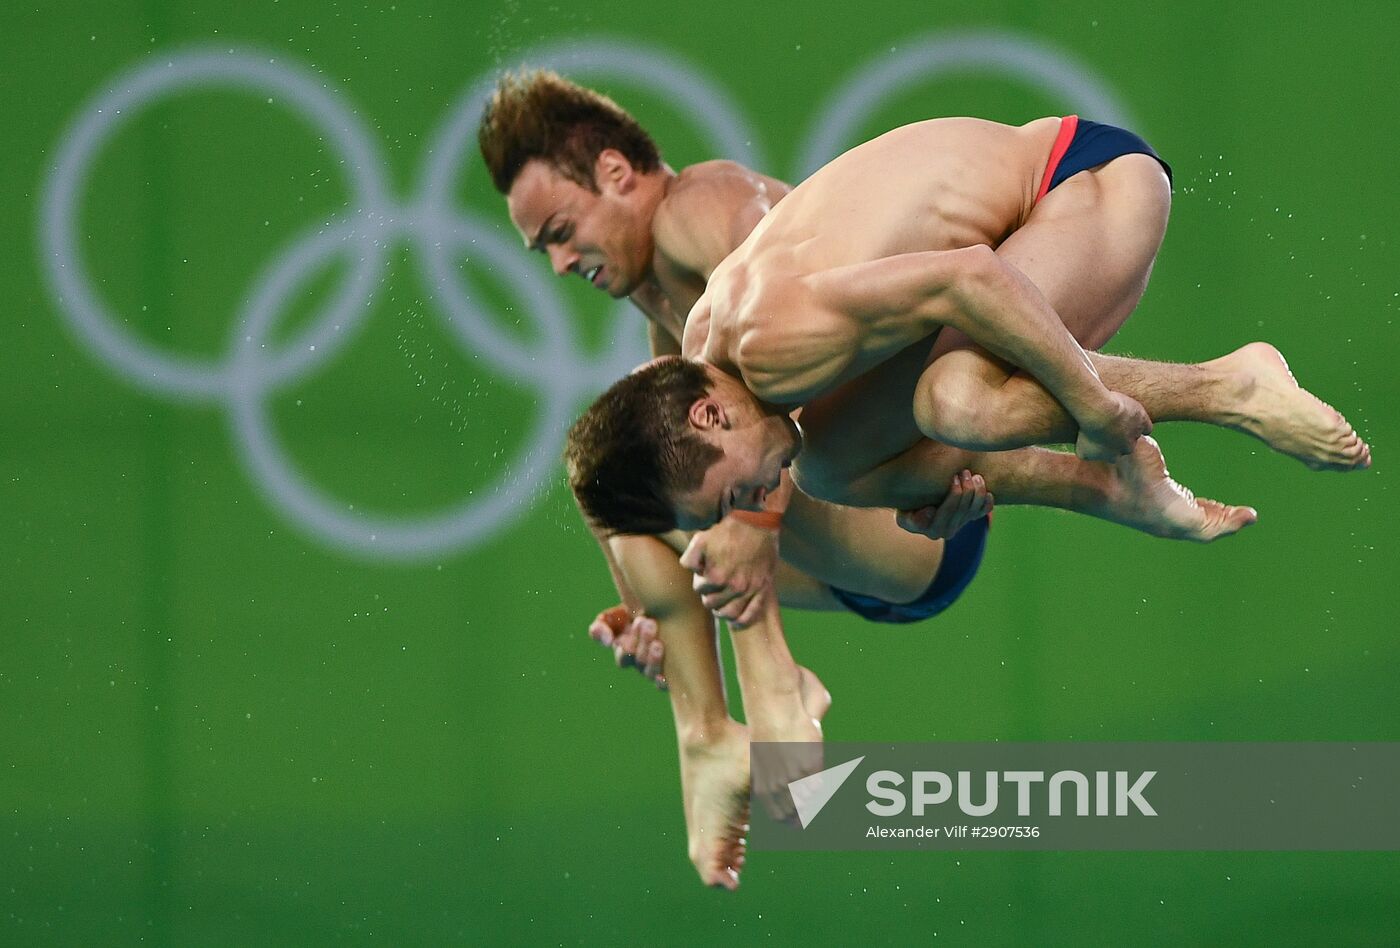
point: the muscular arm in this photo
(856, 316)
(661, 587)
(899, 300)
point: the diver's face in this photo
(591, 234)
(746, 473)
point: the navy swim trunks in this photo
(1082, 145)
(961, 557)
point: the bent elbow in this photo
(974, 272)
(976, 275)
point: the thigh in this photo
(861, 424)
(860, 550)
(1089, 245)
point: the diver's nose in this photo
(563, 260)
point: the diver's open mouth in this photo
(592, 275)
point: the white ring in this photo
(363, 533)
(552, 362)
(197, 379)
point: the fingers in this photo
(949, 514)
(971, 503)
(649, 650)
(640, 647)
(635, 642)
(967, 500)
(625, 646)
(718, 591)
(720, 597)
(753, 611)
(977, 502)
(608, 624)
(632, 641)
(735, 609)
(640, 637)
(599, 632)
(693, 558)
(650, 659)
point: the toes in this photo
(1236, 519)
(1244, 516)
(1352, 454)
(1221, 520)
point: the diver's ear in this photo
(706, 414)
(612, 170)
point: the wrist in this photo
(765, 519)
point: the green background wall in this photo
(218, 727)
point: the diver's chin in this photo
(619, 285)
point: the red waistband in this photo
(1068, 125)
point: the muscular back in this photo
(939, 185)
(934, 185)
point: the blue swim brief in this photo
(962, 555)
(1082, 145)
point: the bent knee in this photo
(952, 414)
(957, 399)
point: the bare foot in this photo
(715, 788)
(1289, 418)
(815, 698)
(967, 500)
(1145, 497)
(793, 720)
(786, 715)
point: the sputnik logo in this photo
(811, 794)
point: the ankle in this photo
(1095, 486)
(1238, 389)
(780, 686)
(703, 735)
(1229, 390)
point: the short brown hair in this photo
(540, 114)
(634, 448)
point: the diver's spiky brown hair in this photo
(540, 114)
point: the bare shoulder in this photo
(709, 210)
(721, 180)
